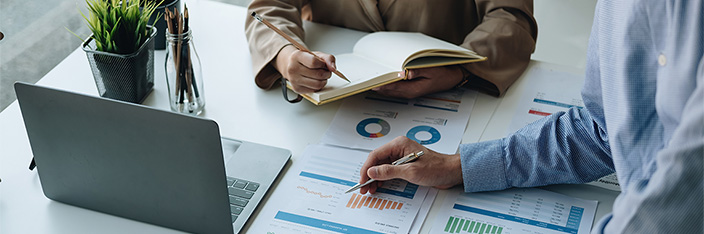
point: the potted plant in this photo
(121, 48)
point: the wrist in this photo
(465, 75)
(280, 62)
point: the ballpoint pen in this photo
(406, 159)
(298, 46)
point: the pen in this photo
(406, 159)
(32, 165)
(294, 42)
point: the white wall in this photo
(563, 31)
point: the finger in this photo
(307, 85)
(316, 74)
(387, 153)
(386, 172)
(310, 60)
(328, 59)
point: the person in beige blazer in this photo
(503, 30)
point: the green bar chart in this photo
(461, 225)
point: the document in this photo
(369, 120)
(540, 100)
(314, 200)
(517, 210)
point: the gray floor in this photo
(38, 37)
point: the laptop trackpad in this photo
(253, 161)
(229, 147)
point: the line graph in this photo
(313, 192)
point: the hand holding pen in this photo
(432, 169)
(406, 159)
(307, 71)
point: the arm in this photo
(566, 147)
(271, 55)
(506, 35)
(562, 148)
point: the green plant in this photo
(119, 26)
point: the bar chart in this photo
(460, 225)
(359, 201)
(517, 210)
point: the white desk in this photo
(242, 110)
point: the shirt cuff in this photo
(483, 166)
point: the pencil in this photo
(294, 42)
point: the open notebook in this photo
(373, 59)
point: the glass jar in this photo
(183, 74)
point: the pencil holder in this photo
(183, 74)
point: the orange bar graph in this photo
(356, 201)
(351, 199)
(382, 205)
(364, 198)
(378, 203)
(359, 201)
(368, 201)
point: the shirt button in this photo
(662, 60)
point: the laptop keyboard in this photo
(240, 192)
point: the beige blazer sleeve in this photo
(264, 43)
(506, 35)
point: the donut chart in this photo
(435, 134)
(385, 127)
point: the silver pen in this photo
(406, 159)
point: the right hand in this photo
(432, 169)
(306, 73)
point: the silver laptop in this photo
(145, 164)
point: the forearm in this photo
(264, 43)
(561, 148)
(506, 35)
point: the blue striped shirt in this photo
(644, 119)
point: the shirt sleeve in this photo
(565, 147)
(264, 43)
(506, 35)
(671, 200)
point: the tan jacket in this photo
(503, 30)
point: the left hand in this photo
(423, 81)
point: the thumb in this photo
(383, 172)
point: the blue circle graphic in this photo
(423, 128)
(385, 127)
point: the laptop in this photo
(144, 164)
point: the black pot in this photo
(127, 77)
(160, 41)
